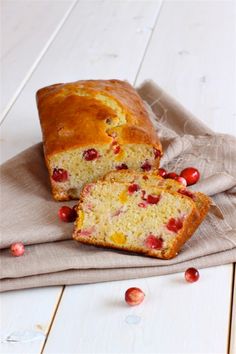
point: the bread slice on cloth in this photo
(137, 215)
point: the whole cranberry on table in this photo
(17, 249)
(191, 175)
(67, 214)
(134, 296)
(191, 275)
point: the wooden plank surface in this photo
(175, 317)
(26, 32)
(192, 55)
(25, 319)
(202, 76)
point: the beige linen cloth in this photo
(29, 214)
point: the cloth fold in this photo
(52, 258)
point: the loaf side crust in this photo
(195, 220)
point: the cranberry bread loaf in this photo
(201, 200)
(92, 127)
(120, 215)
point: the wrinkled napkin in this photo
(53, 258)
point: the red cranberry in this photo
(186, 192)
(87, 232)
(90, 154)
(191, 175)
(142, 205)
(60, 175)
(133, 188)
(191, 275)
(174, 225)
(87, 188)
(153, 242)
(146, 166)
(116, 149)
(67, 214)
(143, 194)
(162, 172)
(181, 180)
(17, 249)
(171, 175)
(123, 166)
(157, 153)
(153, 199)
(134, 296)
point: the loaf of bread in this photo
(92, 127)
(138, 215)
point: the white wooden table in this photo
(188, 48)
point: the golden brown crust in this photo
(189, 228)
(69, 120)
(118, 247)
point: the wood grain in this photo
(192, 55)
(175, 317)
(25, 319)
(24, 39)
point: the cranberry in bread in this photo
(92, 127)
(142, 218)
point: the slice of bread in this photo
(142, 218)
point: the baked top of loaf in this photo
(85, 113)
(121, 215)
